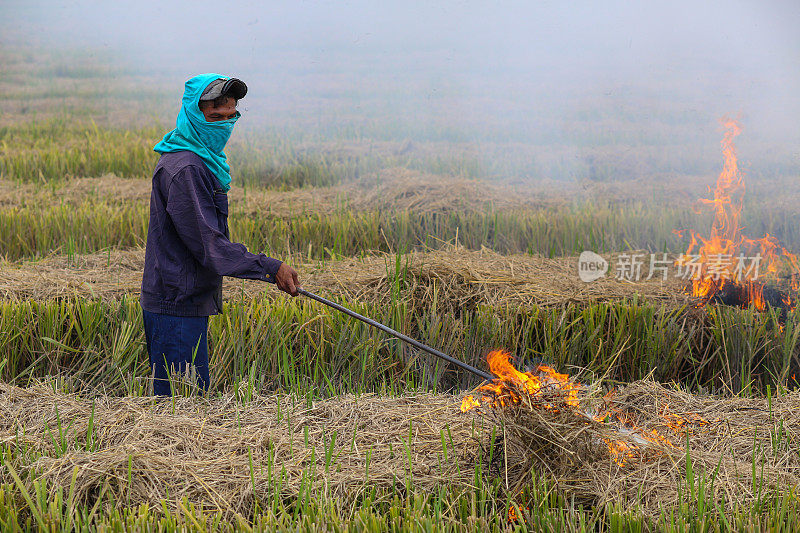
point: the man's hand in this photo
(286, 279)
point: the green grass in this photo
(28, 505)
(64, 147)
(297, 346)
(94, 224)
(72, 143)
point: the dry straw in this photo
(227, 454)
(454, 277)
(391, 188)
(723, 442)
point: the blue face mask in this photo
(215, 135)
(193, 133)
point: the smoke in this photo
(493, 64)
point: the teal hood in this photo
(193, 133)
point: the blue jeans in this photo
(174, 343)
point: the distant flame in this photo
(549, 390)
(515, 511)
(727, 259)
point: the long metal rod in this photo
(394, 333)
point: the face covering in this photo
(193, 133)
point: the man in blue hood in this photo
(188, 243)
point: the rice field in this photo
(316, 422)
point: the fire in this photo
(469, 403)
(620, 451)
(515, 511)
(546, 379)
(680, 424)
(728, 263)
(549, 390)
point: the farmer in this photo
(188, 247)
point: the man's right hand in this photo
(286, 279)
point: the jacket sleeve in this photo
(190, 205)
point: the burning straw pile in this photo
(643, 445)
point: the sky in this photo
(742, 51)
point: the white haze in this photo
(708, 58)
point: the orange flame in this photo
(550, 390)
(469, 403)
(499, 393)
(621, 452)
(515, 511)
(727, 257)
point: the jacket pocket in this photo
(221, 203)
(190, 278)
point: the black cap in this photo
(233, 87)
